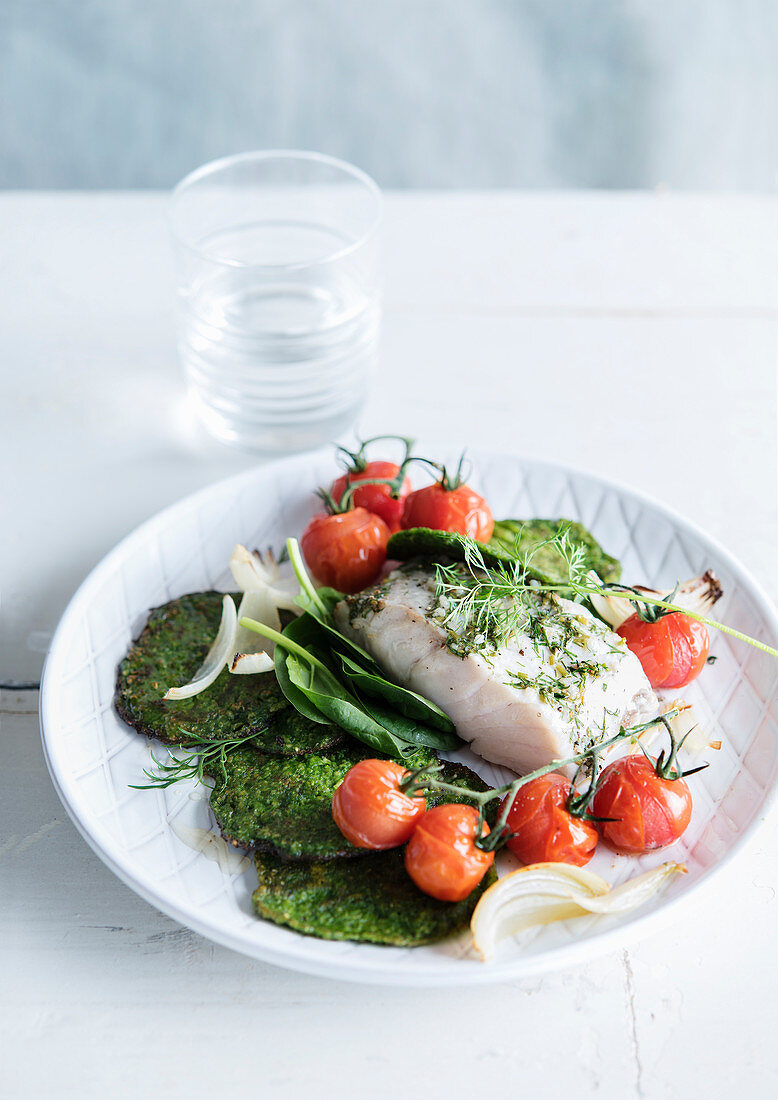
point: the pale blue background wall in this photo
(441, 93)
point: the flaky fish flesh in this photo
(560, 683)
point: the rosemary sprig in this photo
(204, 757)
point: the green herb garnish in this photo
(329, 678)
(500, 600)
(207, 758)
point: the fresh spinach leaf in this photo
(333, 701)
(409, 729)
(299, 631)
(408, 703)
(327, 677)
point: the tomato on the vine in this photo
(545, 830)
(672, 650)
(375, 498)
(371, 809)
(647, 810)
(442, 858)
(345, 550)
(449, 505)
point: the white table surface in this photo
(634, 335)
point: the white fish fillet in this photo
(524, 704)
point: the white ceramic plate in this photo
(93, 756)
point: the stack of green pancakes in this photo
(273, 793)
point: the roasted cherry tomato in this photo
(441, 857)
(345, 550)
(371, 810)
(648, 811)
(545, 830)
(375, 498)
(672, 651)
(458, 509)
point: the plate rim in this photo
(340, 968)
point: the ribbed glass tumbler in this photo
(278, 313)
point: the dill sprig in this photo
(490, 604)
(499, 601)
(206, 756)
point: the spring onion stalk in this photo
(307, 587)
(287, 643)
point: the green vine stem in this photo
(424, 779)
(357, 460)
(338, 507)
(445, 480)
(666, 764)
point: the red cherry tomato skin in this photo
(460, 510)
(672, 651)
(653, 647)
(649, 811)
(693, 634)
(345, 551)
(546, 831)
(375, 498)
(441, 857)
(370, 809)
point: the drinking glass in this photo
(278, 316)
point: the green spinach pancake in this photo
(535, 541)
(283, 805)
(371, 900)
(168, 652)
(274, 794)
